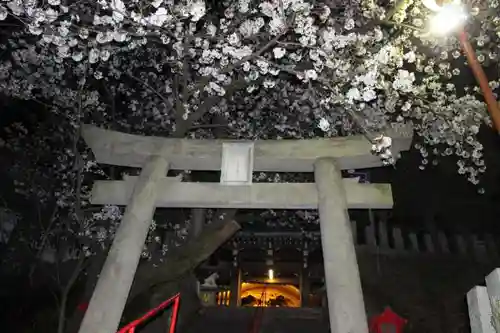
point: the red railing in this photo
(130, 328)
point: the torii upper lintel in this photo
(352, 152)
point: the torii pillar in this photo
(343, 285)
(121, 264)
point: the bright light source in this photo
(447, 19)
(271, 274)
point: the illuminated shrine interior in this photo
(269, 294)
(269, 268)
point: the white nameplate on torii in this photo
(237, 163)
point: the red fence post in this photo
(130, 328)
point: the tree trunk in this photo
(154, 285)
(197, 222)
(182, 260)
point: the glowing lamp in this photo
(387, 322)
(271, 274)
(450, 15)
(447, 19)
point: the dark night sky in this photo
(441, 195)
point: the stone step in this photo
(273, 320)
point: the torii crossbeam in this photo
(237, 160)
(352, 152)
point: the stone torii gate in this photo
(236, 160)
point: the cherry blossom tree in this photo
(161, 67)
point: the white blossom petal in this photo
(3, 13)
(197, 10)
(279, 52)
(119, 10)
(93, 56)
(324, 124)
(156, 3)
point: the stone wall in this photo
(263, 320)
(381, 237)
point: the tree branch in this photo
(232, 67)
(145, 84)
(183, 259)
(404, 25)
(179, 108)
(44, 239)
(210, 102)
(355, 117)
(113, 104)
(66, 290)
(195, 127)
(399, 5)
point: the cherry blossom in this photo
(324, 125)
